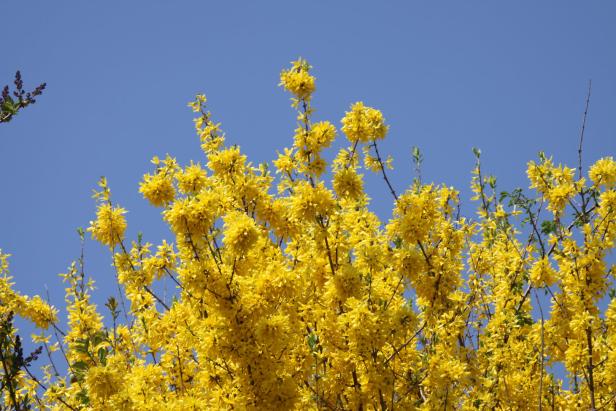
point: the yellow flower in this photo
(554, 182)
(41, 313)
(193, 215)
(542, 274)
(4, 262)
(196, 105)
(192, 180)
(603, 172)
(297, 80)
(348, 184)
(309, 202)
(227, 162)
(364, 124)
(240, 232)
(103, 382)
(157, 189)
(109, 226)
(284, 163)
(320, 136)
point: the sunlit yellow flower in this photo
(109, 226)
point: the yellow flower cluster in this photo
(303, 298)
(192, 179)
(298, 80)
(240, 233)
(109, 226)
(320, 136)
(158, 189)
(603, 172)
(348, 184)
(542, 274)
(364, 124)
(35, 309)
(554, 182)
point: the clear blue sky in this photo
(508, 77)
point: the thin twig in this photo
(403, 346)
(583, 128)
(379, 159)
(133, 269)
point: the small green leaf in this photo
(8, 106)
(312, 339)
(542, 156)
(82, 346)
(491, 180)
(548, 227)
(102, 356)
(523, 319)
(80, 366)
(82, 396)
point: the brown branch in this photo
(322, 224)
(378, 158)
(352, 154)
(403, 346)
(132, 266)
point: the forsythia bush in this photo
(292, 294)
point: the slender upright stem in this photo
(583, 129)
(379, 159)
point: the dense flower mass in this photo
(603, 172)
(364, 124)
(298, 79)
(291, 294)
(109, 226)
(158, 189)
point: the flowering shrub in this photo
(292, 294)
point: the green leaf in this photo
(542, 156)
(82, 396)
(80, 366)
(523, 319)
(82, 345)
(9, 107)
(98, 338)
(312, 339)
(102, 356)
(491, 180)
(417, 157)
(548, 227)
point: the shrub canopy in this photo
(292, 294)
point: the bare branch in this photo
(583, 129)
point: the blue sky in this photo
(507, 77)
